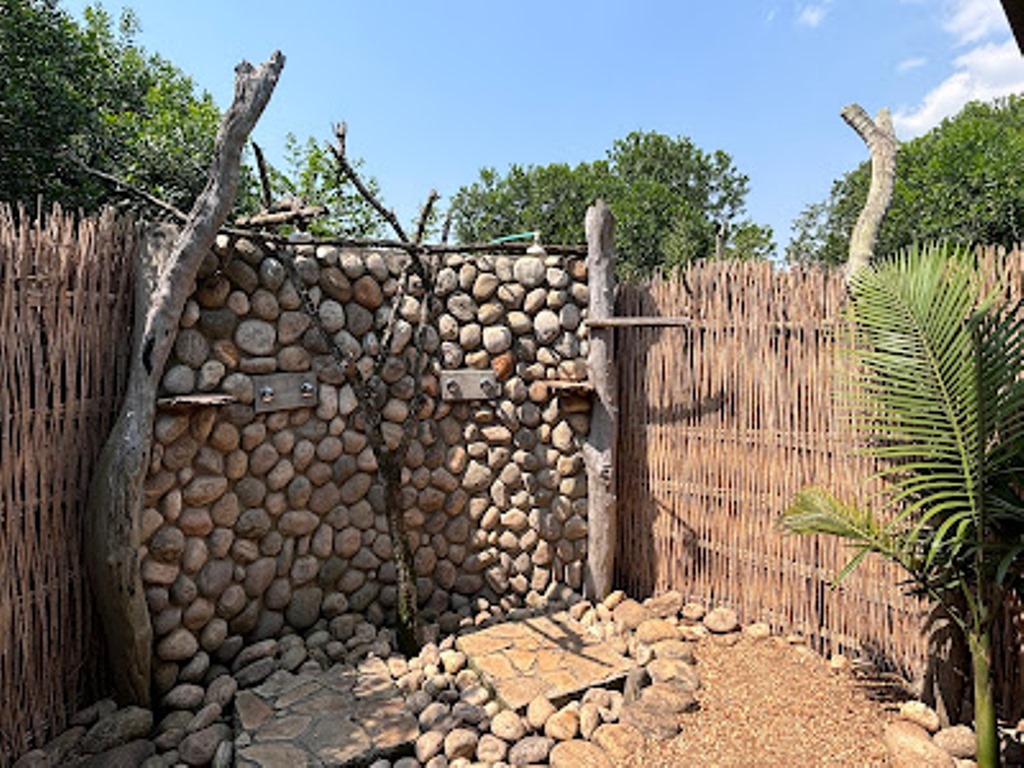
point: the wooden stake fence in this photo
(65, 320)
(722, 421)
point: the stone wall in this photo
(255, 522)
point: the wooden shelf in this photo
(184, 402)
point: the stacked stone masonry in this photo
(254, 522)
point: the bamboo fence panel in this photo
(65, 319)
(722, 422)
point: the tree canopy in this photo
(673, 202)
(960, 182)
(74, 94)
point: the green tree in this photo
(311, 174)
(670, 199)
(72, 94)
(938, 395)
(959, 182)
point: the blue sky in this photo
(432, 92)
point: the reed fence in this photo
(722, 421)
(65, 320)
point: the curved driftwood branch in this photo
(170, 262)
(881, 141)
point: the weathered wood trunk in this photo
(599, 449)
(880, 138)
(167, 277)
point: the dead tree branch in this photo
(446, 227)
(421, 226)
(350, 173)
(261, 167)
(880, 139)
(121, 184)
(167, 274)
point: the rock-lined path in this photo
(335, 717)
(550, 656)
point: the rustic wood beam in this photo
(637, 322)
(599, 448)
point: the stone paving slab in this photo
(550, 655)
(337, 717)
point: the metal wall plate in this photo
(469, 384)
(285, 391)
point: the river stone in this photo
(576, 753)
(629, 614)
(618, 740)
(530, 751)
(546, 326)
(256, 337)
(958, 740)
(538, 711)
(508, 725)
(200, 747)
(655, 630)
(367, 291)
(117, 728)
(304, 608)
(179, 380)
(184, 696)
(920, 713)
(179, 645)
(429, 745)
(529, 271)
(460, 742)
(497, 339)
(669, 697)
(721, 620)
(490, 749)
(214, 578)
(910, 745)
(130, 755)
(191, 347)
(563, 725)
(477, 478)
(651, 720)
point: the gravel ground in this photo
(765, 703)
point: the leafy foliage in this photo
(937, 391)
(73, 94)
(959, 182)
(669, 198)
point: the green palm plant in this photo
(936, 387)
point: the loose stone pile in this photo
(255, 522)
(917, 738)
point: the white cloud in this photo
(972, 20)
(812, 15)
(908, 64)
(981, 74)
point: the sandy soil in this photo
(767, 703)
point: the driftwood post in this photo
(166, 278)
(599, 449)
(880, 138)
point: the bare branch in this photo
(446, 227)
(881, 141)
(350, 173)
(421, 227)
(141, 193)
(261, 166)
